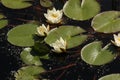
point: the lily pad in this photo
(81, 9)
(28, 58)
(16, 4)
(3, 21)
(72, 34)
(94, 54)
(111, 77)
(107, 22)
(46, 3)
(29, 73)
(22, 35)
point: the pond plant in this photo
(49, 36)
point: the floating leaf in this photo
(94, 54)
(72, 34)
(22, 35)
(107, 22)
(16, 4)
(29, 73)
(28, 58)
(3, 21)
(111, 77)
(81, 9)
(46, 3)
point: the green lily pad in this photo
(72, 34)
(81, 9)
(28, 58)
(16, 4)
(46, 3)
(107, 22)
(94, 54)
(22, 35)
(3, 21)
(29, 73)
(111, 77)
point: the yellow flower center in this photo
(54, 15)
(119, 39)
(42, 29)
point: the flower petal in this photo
(54, 16)
(59, 45)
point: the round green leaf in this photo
(111, 77)
(3, 21)
(22, 35)
(81, 9)
(76, 40)
(72, 34)
(29, 73)
(28, 58)
(107, 22)
(16, 4)
(94, 54)
(46, 3)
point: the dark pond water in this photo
(9, 54)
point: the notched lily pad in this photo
(107, 22)
(81, 9)
(3, 21)
(29, 73)
(22, 35)
(94, 54)
(28, 58)
(72, 34)
(111, 77)
(16, 4)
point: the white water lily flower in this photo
(59, 45)
(116, 40)
(43, 30)
(54, 16)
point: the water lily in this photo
(116, 40)
(59, 45)
(43, 30)
(54, 16)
